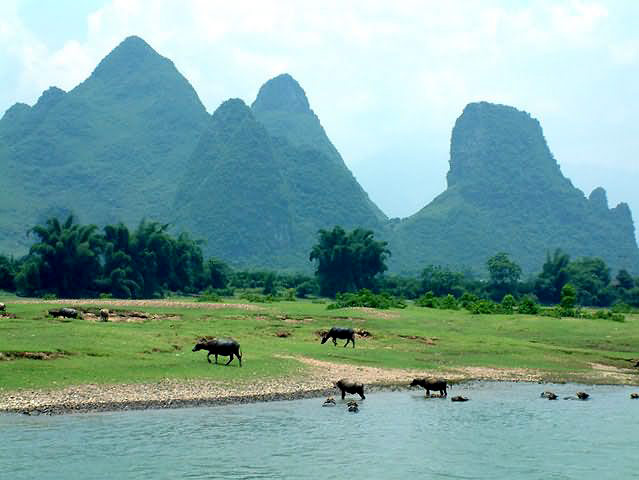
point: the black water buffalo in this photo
(220, 346)
(429, 384)
(346, 386)
(549, 395)
(459, 398)
(340, 332)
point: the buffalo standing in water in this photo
(339, 332)
(346, 386)
(428, 385)
(224, 347)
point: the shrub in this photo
(366, 298)
(482, 307)
(209, 295)
(467, 298)
(507, 304)
(427, 300)
(528, 306)
(448, 303)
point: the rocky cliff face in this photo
(506, 193)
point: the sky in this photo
(387, 79)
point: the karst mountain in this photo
(255, 183)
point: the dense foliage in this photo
(73, 260)
(347, 262)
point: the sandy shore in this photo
(318, 381)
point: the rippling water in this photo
(505, 432)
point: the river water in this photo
(504, 432)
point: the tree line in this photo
(69, 260)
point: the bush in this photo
(528, 306)
(304, 289)
(366, 298)
(467, 298)
(448, 303)
(507, 304)
(427, 300)
(257, 298)
(482, 307)
(209, 295)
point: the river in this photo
(504, 432)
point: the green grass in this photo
(160, 349)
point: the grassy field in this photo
(83, 351)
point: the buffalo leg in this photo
(334, 341)
(216, 359)
(208, 357)
(239, 357)
(353, 341)
(343, 394)
(347, 340)
(230, 359)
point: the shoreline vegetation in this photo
(141, 358)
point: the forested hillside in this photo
(108, 150)
(255, 184)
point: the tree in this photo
(217, 273)
(8, 268)
(553, 277)
(442, 281)
(504, 274)
(65, 260)
(347, 262)
(625, 280)
(590, 277)
(568, 297)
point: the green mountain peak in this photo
(281, 94)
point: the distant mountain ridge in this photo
(255, 183)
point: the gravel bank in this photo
(319, 381)
(174, 394)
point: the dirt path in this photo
(140, 303)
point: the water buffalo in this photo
(430, 384)
(549, 395)
(220, 346)
(353, 406)
(3, 307)
(340, 332)
(329, 402)
(634, 396)
(346, 386)
(104, 315)
(459, 398)
(580, 396)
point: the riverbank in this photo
(142, 357)
(319, 382)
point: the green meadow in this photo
(80, 351)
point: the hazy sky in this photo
(387, 79)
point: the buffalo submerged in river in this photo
(220, 346)
(339, 332)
